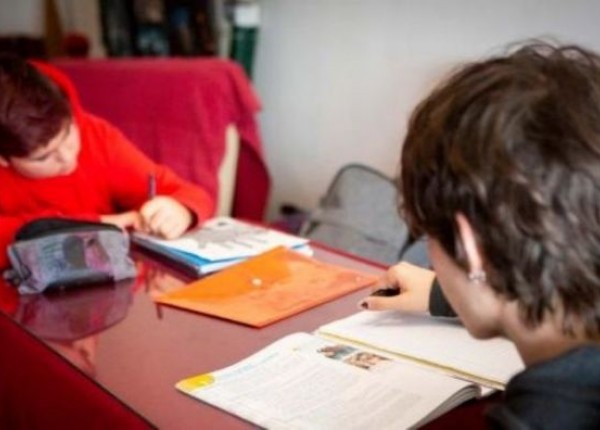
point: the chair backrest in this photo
(358, 214)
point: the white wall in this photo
(338, 78)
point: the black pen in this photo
(386, 291)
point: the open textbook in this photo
(311, 381)
(219, 243)
(442, 343)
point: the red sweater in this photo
(111, 177)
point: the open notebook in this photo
(311, 381)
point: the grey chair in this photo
(358, 214)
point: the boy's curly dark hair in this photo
(32, 108)
(513, 143)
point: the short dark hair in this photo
(33, 109)
(513, 142)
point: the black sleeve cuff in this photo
(438, 305)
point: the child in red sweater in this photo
(58, 160)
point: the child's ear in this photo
(3, 162)
(468, 239)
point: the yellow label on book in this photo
(195, 382)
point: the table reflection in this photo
(137, 350)
(69, 320)
(157, 280)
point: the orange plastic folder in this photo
(267, 288)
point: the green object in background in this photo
(243, 46)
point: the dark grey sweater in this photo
(562, 393)
(438, 305)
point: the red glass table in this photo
(109, 356)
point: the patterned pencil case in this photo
(51, 253)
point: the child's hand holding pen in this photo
(404, 287)
(162, 215)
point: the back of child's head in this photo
(32, 108)
(513, 143)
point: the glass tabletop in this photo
(137, 350)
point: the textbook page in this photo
(304, 382)
(441, 342)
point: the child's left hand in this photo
(165, 217)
